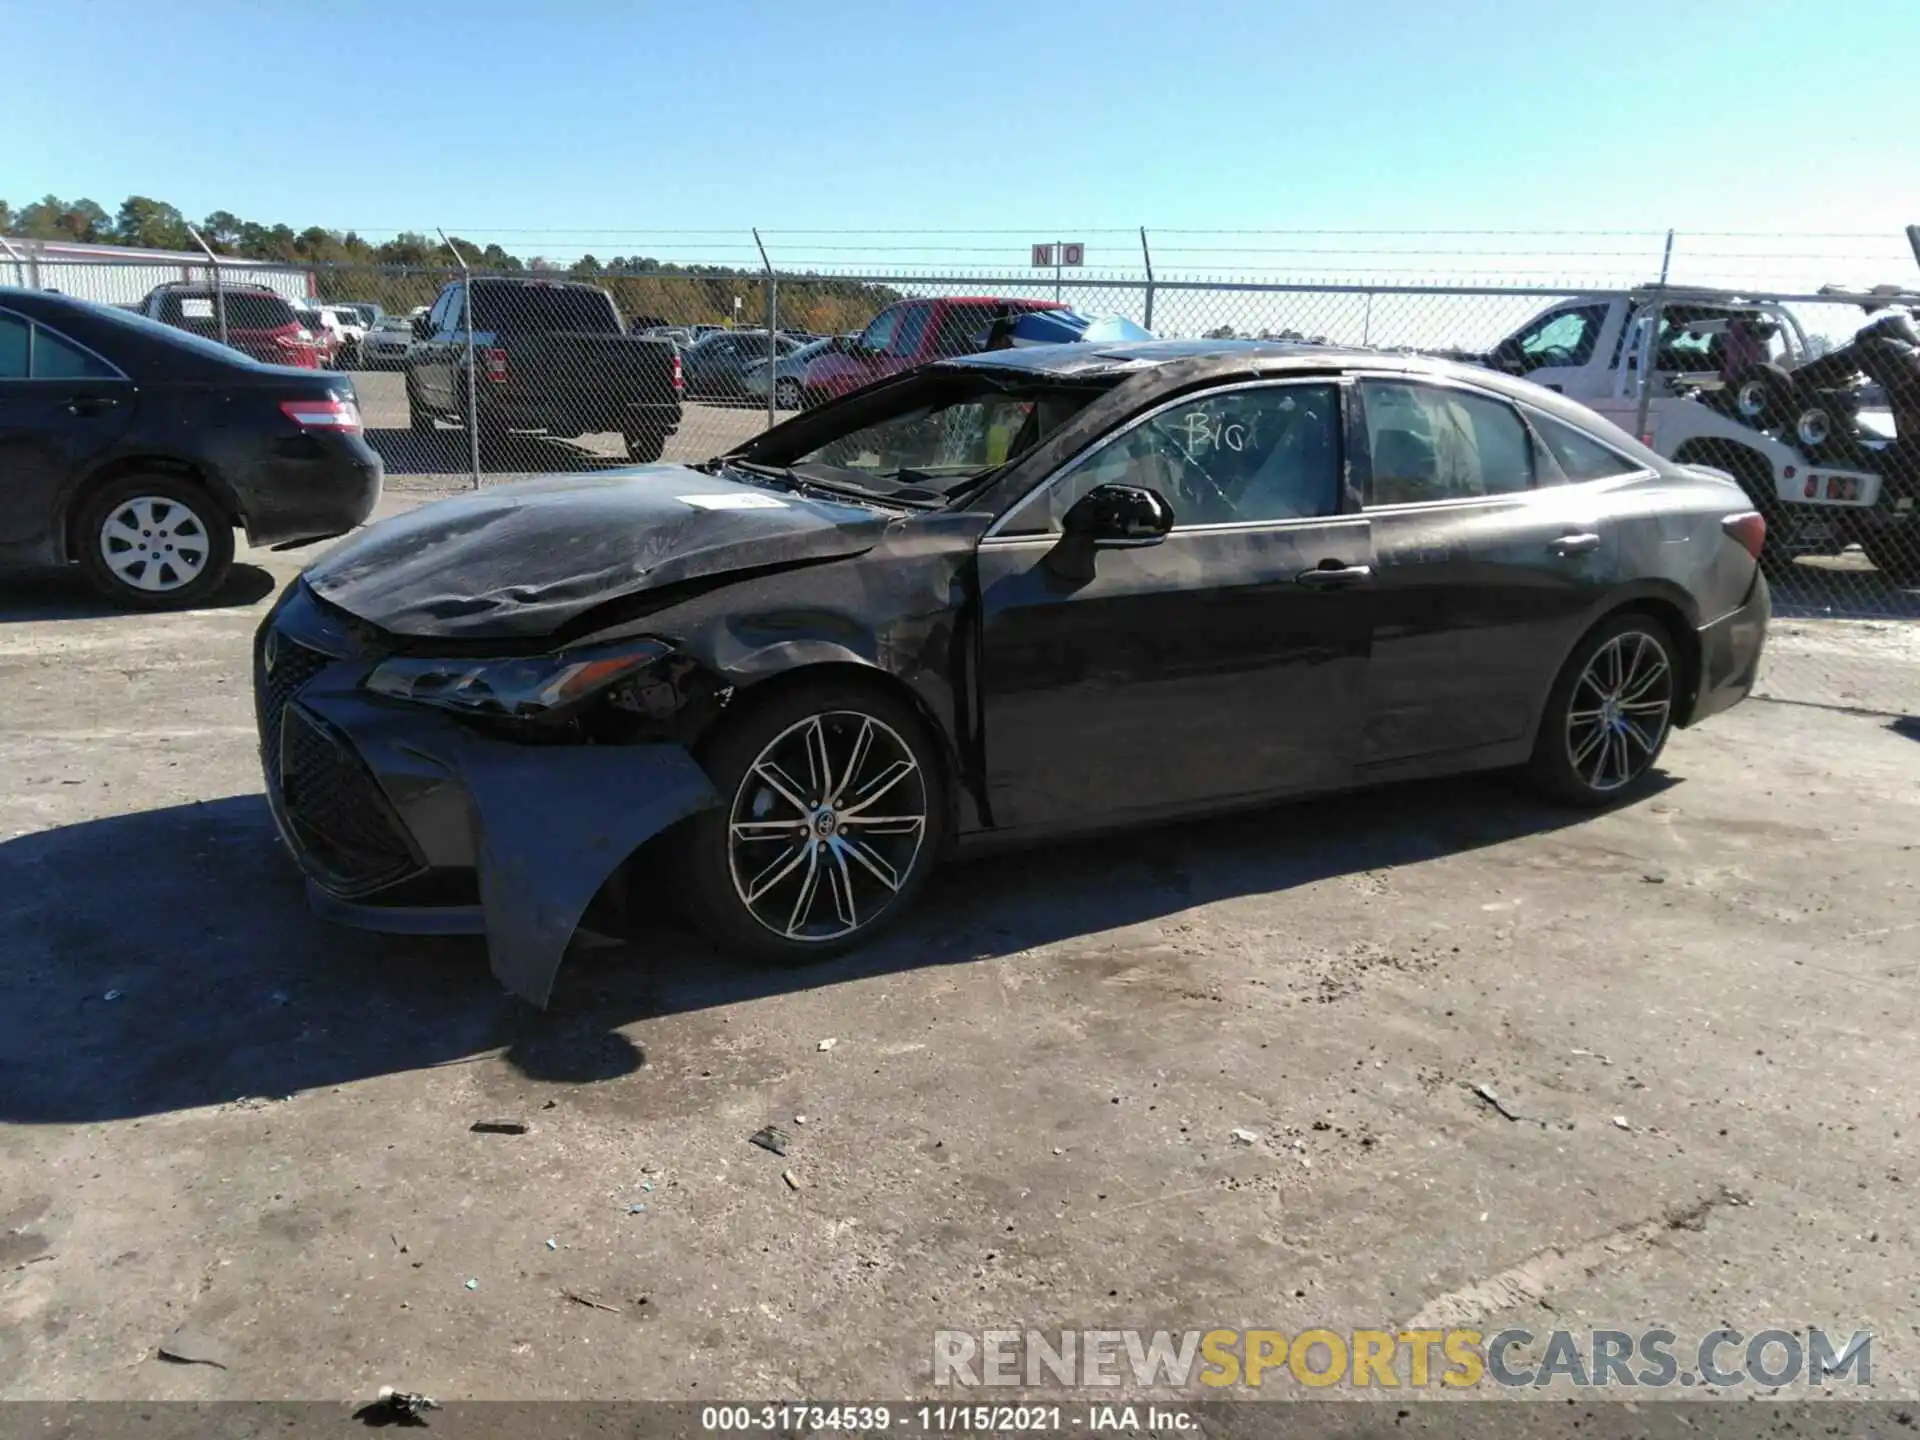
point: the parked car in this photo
(911, 333)
(1004, 597)
(337, 334)
(259, 322)
(132, 449)
(1721, 395)
(786, 377)
(552, 356)
(369, 313)
(387, 343)
(716, 367)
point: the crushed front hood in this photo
(519, 561)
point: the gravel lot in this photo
(217, 1112)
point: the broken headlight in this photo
(532, 687)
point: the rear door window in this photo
(13, 348)
(1580, 455)
(906, 338)
(1431, 442)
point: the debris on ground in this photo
(498, 1127)
(398, 1243)
(647, 1185)
(115, 995)
(1593, 1055)
(473, 1284)
(552, 1244)
(1299, 1147)
(771, 1137)
(1620, 1122)
(187, 1346)
(636, 1209)
(826, 1044)
(1485, 1092)
(788, 1176)
(577, 1298)
(799, 1119)
(396, 1407)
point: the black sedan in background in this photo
(133, 449)
(1026, 592)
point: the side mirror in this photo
(1119, 515)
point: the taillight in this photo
(1749, 529)
(679, 375)
(328, 414)
(497, 365)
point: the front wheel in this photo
(155, 542)
(1897, 558)
(786, 394)
(1609, 713)
(833, 813)
(645, 446)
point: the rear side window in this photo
(34, 352)
(1579, 455)
(906, 339)
(1428, 443)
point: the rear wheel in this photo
(1609, 713)
(419, 420)
(833, 812)
(645, 446)
(155, 542)
(1897, 558)
(786, 394)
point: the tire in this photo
(1897, 559)
(1609, 713)
(786, 395)
(419, 420)
(154, 542)
(736, 888)
(1762, 395)
(645, 446)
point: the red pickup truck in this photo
(910, 333)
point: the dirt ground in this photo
(218, 1113)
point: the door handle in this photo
(1335, 577)
(90, 404)
(1578, 544)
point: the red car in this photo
(911, 333)
(260, 322)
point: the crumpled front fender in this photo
(551, 823)
(543, 825)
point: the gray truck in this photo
(547, 355)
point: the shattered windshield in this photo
(942, 446)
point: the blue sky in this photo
(535, 124)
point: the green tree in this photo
(151, 224)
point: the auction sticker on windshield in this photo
(742, 500)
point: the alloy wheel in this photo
(826, 826)
(155, 544)
(1618, 715)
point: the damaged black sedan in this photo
(1023, 593)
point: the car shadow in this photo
(446, 451)
(66, 595)
(229, 988)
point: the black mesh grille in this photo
(336, 811)
(293, 666)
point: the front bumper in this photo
(1730, 650)
(406, 820)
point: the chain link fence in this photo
(1811, 400)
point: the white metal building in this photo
(118, 275)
